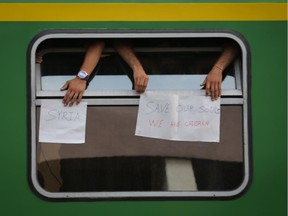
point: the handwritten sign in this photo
(60, 124)
(178, 117)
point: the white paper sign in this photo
(178, 117)
(60, 124)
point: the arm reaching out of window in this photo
(76, 87)
(213, 81)
(127, 53)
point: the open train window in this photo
(113, 163)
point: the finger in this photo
(204, 82)
(145, 84)
(141, 85)
(146, 81)
(79, 98)
(215, 93)
(67, 98)
(65, 86)
(73, 99)
(141, 88)
(39, 59)
(218, 91)
(207, 89)
(212, 92)
(137, 84)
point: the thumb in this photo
(204, 82)
(65, 86)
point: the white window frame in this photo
(239, 96)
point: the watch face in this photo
(82, 74)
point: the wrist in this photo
(83, 75)
(219, 68)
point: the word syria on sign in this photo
(60, 124)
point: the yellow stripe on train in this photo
(143, 11)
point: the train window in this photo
(113, 163)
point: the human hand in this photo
(213, 82)
(38, 59)
(140, 80)
(75, 90)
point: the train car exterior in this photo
(258, 27)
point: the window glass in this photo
(170, 64)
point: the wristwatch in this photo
(83, 75)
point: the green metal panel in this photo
(267, 194)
